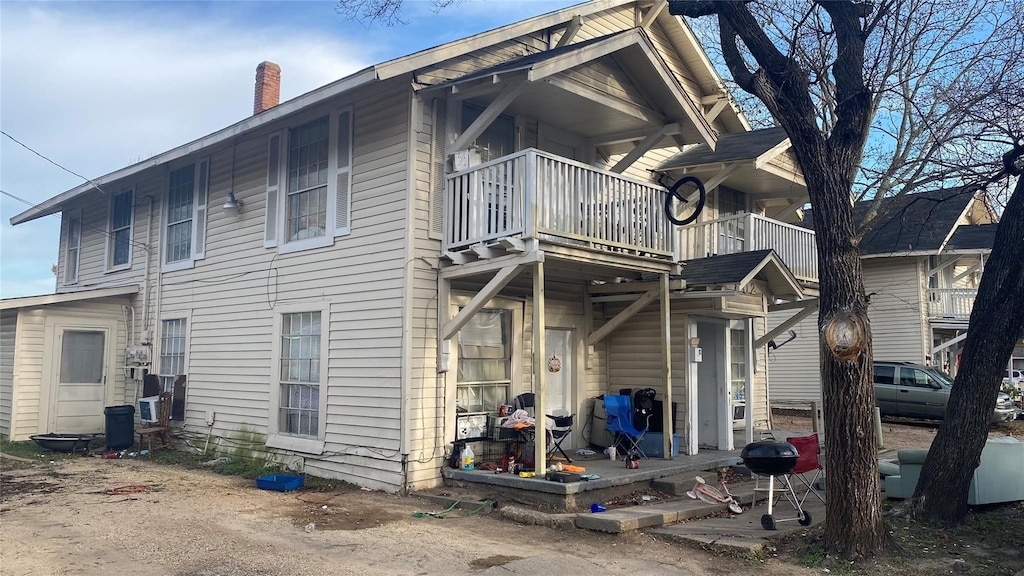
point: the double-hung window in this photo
(309, 182)
(300, 374)
(185, 223)
(74, 248)
(485, 362)
(172, 351)
(119, 230)
(171, 367)
(299, 384)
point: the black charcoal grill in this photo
(775, 459)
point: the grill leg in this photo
(771, 489)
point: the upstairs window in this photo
(119, 239)
(308, 152)
(309, 182)
(74, 247)
(185, 221)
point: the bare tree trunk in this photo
(941, 492)
(854, 528)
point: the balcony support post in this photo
(492, 111)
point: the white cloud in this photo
(96, 90)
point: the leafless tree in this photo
(879, 99)
(386, 12)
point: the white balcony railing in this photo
(954, 303)
(533, 194)
(749, 232)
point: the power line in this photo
(68, 170)
(81, 220)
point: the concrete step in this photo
(670, 512)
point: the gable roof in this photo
(644, 61)
(734, 147)
(976, 238)
(740, 269)
(920, 223)
(376, 73)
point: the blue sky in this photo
(97, 86)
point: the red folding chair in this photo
(808, 449)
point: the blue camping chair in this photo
(618, 409)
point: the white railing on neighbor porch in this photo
(954, 303)
(534, 193)
(749, 232)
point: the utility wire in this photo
(81, 220)
(68, 170)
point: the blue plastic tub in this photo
(280, 482)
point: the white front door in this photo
(79, 392)
(559, 378)
(561, 143)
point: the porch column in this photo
(539, 370)
(691, 389)
(748, 389)
(666, 366)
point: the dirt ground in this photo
(91, 516)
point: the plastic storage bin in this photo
(653, 445)
(120, 426)
(280, 482)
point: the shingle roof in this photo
(724, 269)
(729, 148)
(978, 237)
(915, 222)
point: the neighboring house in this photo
(922, 265)
(342, 278)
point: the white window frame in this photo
(200, 198)
(283, 440)
(278, 191)
(72, 216)
(109, 251)
(184, 317)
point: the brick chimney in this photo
(268, 87)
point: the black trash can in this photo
(120, 421)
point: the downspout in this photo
(145, 280)
(409, 280)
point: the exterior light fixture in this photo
(232, 207)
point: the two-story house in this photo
(922, 262)
(340, 278)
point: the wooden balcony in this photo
(749, 232)
(534, 194)
(951, 303)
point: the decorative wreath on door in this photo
(554, 364)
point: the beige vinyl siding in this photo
(95, 208)
(230, 299)
(8, 327)
(604, 23)
(634, 357)
(898, 330)
(897, 310)
(607, 77)
(28, 416)
(793, 369)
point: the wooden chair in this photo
(163, 426)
